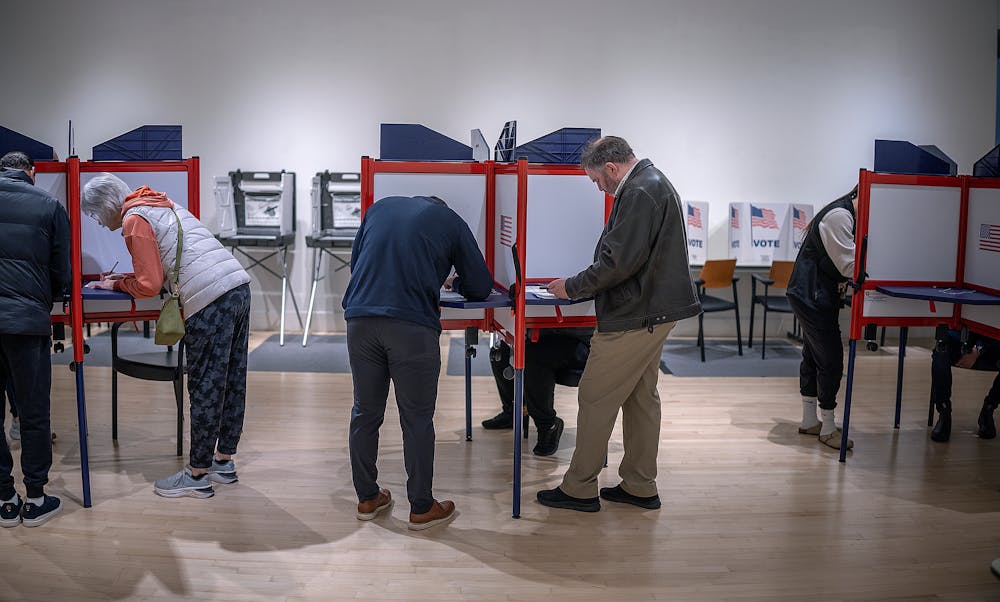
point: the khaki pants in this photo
(621, 373)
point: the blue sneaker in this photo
(222, 472)
(33, 515)
(10, 513)
(183, 484)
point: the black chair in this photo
(717, 273)
(166, 366)
(781, 271)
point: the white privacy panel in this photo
(913, 233)
(101, 248)
(54, 184)
(988, 315)
(464, 193)
(878, 305)
(506, 229)
(565, 221)
(982, 242)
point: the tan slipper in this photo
(833, 440)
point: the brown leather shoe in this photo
(369, 509)
(440, 512)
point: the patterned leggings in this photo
(215, 341)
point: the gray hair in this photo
(609, 149)
(103, 197)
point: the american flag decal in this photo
(763, 218)
(734, 218)
(798, 219)
(989, 238)
(506, 230)
(694, 216)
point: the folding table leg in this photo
(317, 262)
(518, 405)
(847, 399)
(284, 289)
(899, 374)
(471, 336)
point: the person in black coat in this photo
(34, 271)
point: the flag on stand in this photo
(694, 216)
(763, 218)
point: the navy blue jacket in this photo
(34, 255)
(403, 253)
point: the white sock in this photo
(809, 418)
(829, 422)
(38, 501)
(12, 500)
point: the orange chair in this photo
(781, 271)
(717, 273)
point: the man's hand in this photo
(558, 288)
(969, 359)
(449, 282)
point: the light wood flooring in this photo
(752, 510)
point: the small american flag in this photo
(506, 230)
(989, 238)
(763, 218)
(694, 216)
(734, 218)
(798, 219)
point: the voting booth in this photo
(257, 214)
(758, 232)
(929, 248)
(336, 216)
(94, 249)
(696, 213)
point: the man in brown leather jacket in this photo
(641, 286)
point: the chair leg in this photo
(701, 334)
(763, 333)
(750, 334)
(525, 423)
(736, 308)
(882, 338)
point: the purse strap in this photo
(177, 260)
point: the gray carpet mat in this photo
(325, 353)
(683, 358)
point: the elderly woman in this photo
(215, 297)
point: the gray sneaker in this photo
(183, 484)
(15, 430)
(222, 472)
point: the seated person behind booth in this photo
(556, 350)
(402, 255)
(215, 297)
(979, 353)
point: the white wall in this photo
(764, 100)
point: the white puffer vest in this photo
(208, 270)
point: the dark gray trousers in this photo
(26, 361)
(408, 354)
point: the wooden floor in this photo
(752, 510)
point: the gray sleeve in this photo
(836, 232)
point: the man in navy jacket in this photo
(34, 271)
(402, 256)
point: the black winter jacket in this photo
(640, 275)
(815, 280)
(34, 255)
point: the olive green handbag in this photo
(170, 324)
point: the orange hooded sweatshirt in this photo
(147, 280)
